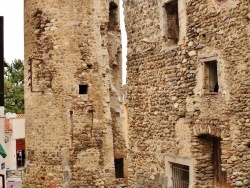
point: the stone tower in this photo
(188, 93)
(72, 93)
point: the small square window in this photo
(211, 77)
(83, 89)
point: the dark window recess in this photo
(83, 89)
(180, 175)
(172, 20)
(211, 77)
(119, 168)
(113, 17)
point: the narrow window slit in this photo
(113, 16)
(172, 19)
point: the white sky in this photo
(12, 10)
(124, 44)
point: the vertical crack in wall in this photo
(115, 65)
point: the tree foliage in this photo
(14, 87)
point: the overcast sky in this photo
(12, 10)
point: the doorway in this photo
(211, 145)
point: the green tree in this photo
(14, 87)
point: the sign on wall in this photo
(2, 166)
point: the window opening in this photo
(119, 168)
(211, 77)
(83, 89)
(172, 19)
(113, 17)
(180, 175)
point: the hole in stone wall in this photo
(89, 66)
(211, 76)
(83, 89)
(119, 168)
(172, 19)
(113, 16)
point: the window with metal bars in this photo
(180, 175)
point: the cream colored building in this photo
(3, 151)
(15, 141)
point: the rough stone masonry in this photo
(72, 93)
(188, 92)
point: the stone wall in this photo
(170, 111)
(72, 93)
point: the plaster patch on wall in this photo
(183, 136)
